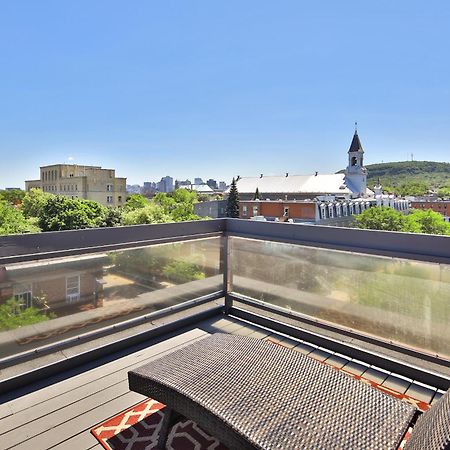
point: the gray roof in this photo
(355, 146)
(292, 184)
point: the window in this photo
(23, 293)
(286, 212)
(109, 199)
(244, 210)
(255, 211)
(73, 289)
(119, 198)
(330, 211)
(109, 187)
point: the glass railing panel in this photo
(45, 301)
(395, 299)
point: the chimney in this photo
(287, 174)
(261, 176)
(317, 173)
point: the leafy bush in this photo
(181, 272)
(62, 213)
(12, 221)
(12, 316)
(418, 221)
(152, 213)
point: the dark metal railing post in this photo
(227, 273)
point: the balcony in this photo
(372, 303)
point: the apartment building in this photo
(88, 182)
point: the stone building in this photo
(88, 182)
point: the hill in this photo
(434, 174)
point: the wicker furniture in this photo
(251, 394)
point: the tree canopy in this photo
(417, 221)
(12, 220)
(62, 213)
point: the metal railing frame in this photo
(430, 248)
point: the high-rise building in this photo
(88, 182)
(222, 185)
(212, 183)
(198, 181)
(166, 184)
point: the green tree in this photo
(62, 213)
(427, 221)
(381, 218)
(13, 316)
(233, 201)
(14, 196)
(415, 188)
(444, 192)
(152, 213)
(113, 217)
(182, 272)
(179, 204)
(12, 220)
(34, 201)
(136, 201)
(257, 196)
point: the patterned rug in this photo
(137, 428)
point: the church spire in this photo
(356, 146)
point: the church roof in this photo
(355, 146)
(295, 184)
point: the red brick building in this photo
(439, 206)
(281, 210)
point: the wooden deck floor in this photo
(60, 414)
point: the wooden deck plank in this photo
(35, 411)
(82, 440)
(38, 417)
(67, 413)
(84, 421)
(54, 390)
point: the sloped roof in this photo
(355, 146)
(292, 184)
(201, 188)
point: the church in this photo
(350, 184)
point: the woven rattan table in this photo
(252, 394)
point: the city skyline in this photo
(219, 90)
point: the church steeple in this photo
(356, 146)
(356, 173)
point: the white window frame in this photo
(23, 293)
(109, 199)
(244, 210)
(73, 289)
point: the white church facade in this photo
(350, 184)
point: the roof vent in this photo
(317, 173)
(287, 174)
(261, 176)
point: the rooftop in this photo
(372, 303)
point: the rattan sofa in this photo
(251, 394)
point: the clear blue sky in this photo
(220, 88)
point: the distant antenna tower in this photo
(412, 156)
